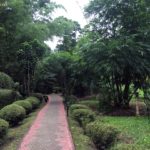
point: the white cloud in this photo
(74, 11)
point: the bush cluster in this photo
(4, 125)
(83, 116)
(25, 104)
(38, 95)
(34, 101)
(8, 96)
(102, 135)
(77, 106)
(13, 114)
(73, 99)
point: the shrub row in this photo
(8, 96)
(77, 106)
(83, 116)
(102, 134)
(3, 127)
(25, 104)
(14, 113)
(40, 96)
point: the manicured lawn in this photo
(16, 134)
(135, 132)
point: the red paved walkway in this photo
(50, 129)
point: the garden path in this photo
(50, 129)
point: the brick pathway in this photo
(50, 129)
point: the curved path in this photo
(50, 130)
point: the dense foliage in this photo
(6, 82)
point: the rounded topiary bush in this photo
(25, 104)
(73, 99)
(38, 95)
(102, 135)
(4, 125)
(6, 81)
(78, 106)
(34, 101)
(13, 114)
(8, 96)
(83, 116)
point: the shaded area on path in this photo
(50, 130)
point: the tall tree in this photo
(119, 48)
(68, 31)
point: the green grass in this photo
(135, 132)
(15, 135)
(81, 141)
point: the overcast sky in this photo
(74, 11)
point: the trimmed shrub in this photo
(8, 96)
(77, 106)
(13, 114)
(83, 116)
(103, 135)
(93, 104)
(4, 125)
(38, 95)
(73, 99)
(34, 101)
(6, 81)
(25, 104)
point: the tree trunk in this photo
(137, 108)
(118, 103)
(28, 82)
(126, 99)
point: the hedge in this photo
(34, 101)
(102, 135)
(83, 116)
(38, 95)
(4, 125)
(13, 114)
(25, 104)
(78, 106)
(8, 96)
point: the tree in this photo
(58, 71)
(118, 49)
(67, 30)
(22, 22)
